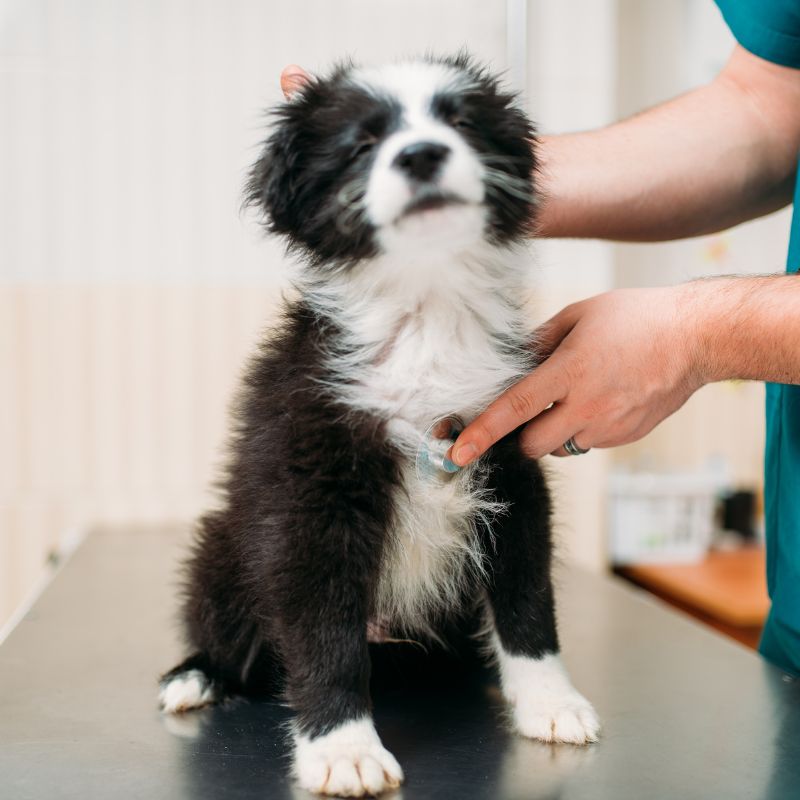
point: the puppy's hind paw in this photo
(184, 691)
(349, 761)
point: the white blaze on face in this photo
(389, 190)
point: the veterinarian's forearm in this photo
(748, 328)
(705, 161)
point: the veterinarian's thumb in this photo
(516, 406)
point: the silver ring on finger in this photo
(573, 449)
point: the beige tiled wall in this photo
(112, 409)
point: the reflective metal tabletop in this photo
(686, 714)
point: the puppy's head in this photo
(423, 154)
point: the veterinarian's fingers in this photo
(550, 334)
(292, 79)
(548, 432)
(522, 402)
(577, 439)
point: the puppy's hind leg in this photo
(192, 684)
(521, 606)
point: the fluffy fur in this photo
(403, 191)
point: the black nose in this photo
(421, 160)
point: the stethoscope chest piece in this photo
(437, 440)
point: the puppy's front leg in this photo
(337, 749)
(323, 581)
(533, 679)
(348, 761)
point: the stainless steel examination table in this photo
(686, 714)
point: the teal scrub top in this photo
(771, 30)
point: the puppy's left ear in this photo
(272, 182)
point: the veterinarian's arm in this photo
(705, 161)
(623, 361)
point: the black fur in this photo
(520, 588)
(325, 138)
(283, 576)
(288, 565)
(310, 157)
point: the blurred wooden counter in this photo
(728, 590)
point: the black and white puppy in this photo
(404, 190)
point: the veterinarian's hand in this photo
(618, 364)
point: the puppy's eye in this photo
(461, 123)
(364, 145)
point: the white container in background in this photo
(662, 518)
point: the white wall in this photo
(128, 125)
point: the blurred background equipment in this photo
(661, 518)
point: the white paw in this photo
(565, 718)
(350, 761)
(546, 704)
(185, 691)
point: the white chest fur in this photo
(424, 342)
